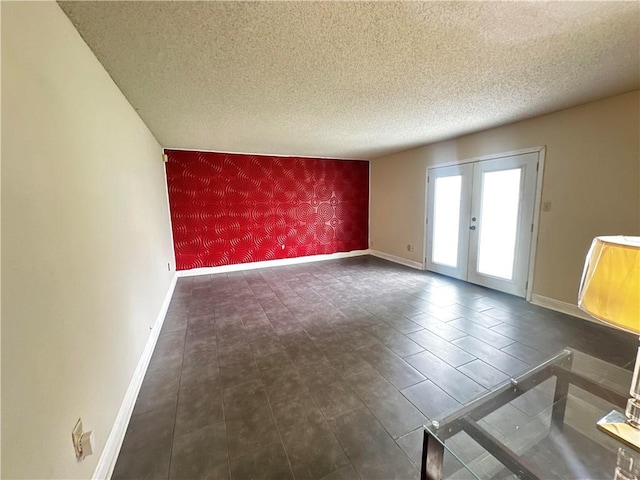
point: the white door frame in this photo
(536, 209)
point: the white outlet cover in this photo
(76, 435)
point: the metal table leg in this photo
(432, 458)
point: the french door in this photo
(479, 221)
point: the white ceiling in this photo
(355, 80)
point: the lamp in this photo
(610, 292)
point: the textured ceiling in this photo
(355, 80)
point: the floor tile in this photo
(149, 428)
(456, 384)
(250, 433)
(335, 399)
(344, 473)
(200, 454)
(525, 353)
(494, 357)
(397, 342)
(397, 415)
(360, 433)
(486, 335)
(199, 404)
(371, 386)
(268, 463)
(148, 463)
(411, 444)
(430, 399)
(438, 327)
(313, 451)
(349, 363)
(441, 348)
(484, 374)
(159, 389)
(398, 372)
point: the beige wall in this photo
(592, 178)
(85, 243)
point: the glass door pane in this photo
(448, 209)
(446, 220)
(503, 196)
(499, 229)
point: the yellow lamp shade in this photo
(610, 288)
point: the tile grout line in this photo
(175, 418)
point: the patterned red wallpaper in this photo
(228, 208)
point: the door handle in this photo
(472, 227)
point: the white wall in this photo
(592, 179)
(85, 243)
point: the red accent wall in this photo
(228, 208)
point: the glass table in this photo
(540, 425)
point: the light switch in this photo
(546, 207)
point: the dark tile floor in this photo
(328, 370)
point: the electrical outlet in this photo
(83, 442)
(410, 248)
(546, 207)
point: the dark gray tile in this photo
(148, 428)
(411, 444)
(391, 366)
(199, 372)
(430, 399)
(200, 454)
(335, 399)
(282, 383)
(246, 400)
(397, 415)
(237, 373)
(199, 404)
(438, 327)
(481, 333)
(344, 473)
(313, 450)
(456, 384)
(395, 341)
(296, 413)
(526, 354)
(441, 348)
(371, 386)
(401, 323)
(159, 389)
(492, 356)
(266, 345)
(391, 464)
(360, 433)
(148, 463)
(267, 463)
(357, 338)
(175, 321)
(250, 433)
(349, 363)
(318, 373)
(484, 374)
(279, 359)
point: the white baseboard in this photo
(562, 307)
(394, 259)
(269, 263)
(112, 446)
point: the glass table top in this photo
(542, 424)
